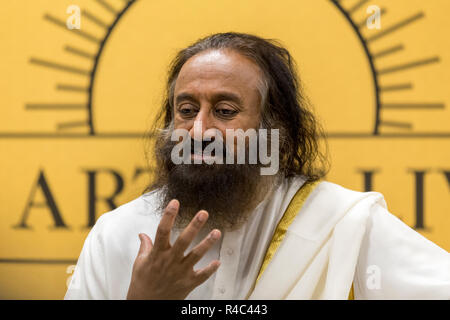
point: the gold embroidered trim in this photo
(291, 212)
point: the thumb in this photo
(146, 244)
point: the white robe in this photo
(339, 237)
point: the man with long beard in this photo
(225, 231)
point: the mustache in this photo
(200, 147)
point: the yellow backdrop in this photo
(74, 104)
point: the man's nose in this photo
(202, 122)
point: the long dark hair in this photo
(285, 106)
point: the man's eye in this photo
(226, 112)
(186, 110)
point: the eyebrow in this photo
(225, 95)
(183, 97)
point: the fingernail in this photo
(201, 216)
(173, 204)
(215, 234)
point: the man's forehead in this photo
(217, 95)
(219, 66)
(212, 58)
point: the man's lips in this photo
(198, 151)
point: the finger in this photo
(162, 238)
(199, 250)
(146, 245)
(203, 274)
(189, 233)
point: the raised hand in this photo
(161, 270)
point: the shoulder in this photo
(327, 203)
(342, 198)
(334, 189)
